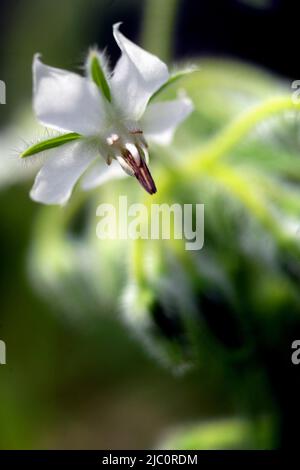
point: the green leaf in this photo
(98, 76)
(173, 78)
(50, 143)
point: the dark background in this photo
(265, 32)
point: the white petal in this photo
(138, 74)
(65, 164)
(65, 101)
(100, 173)
(161, 119)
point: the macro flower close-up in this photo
(107, 117)
(150, 231)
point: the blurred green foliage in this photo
(221, 435)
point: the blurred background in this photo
(100, 355)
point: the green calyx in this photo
(50, 143)
(98, 75)
(172, 79)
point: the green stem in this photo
(159, 26)
(236, 131)
(203, 163)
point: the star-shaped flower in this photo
(105, 120)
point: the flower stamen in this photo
(112, 139)
(139, 168)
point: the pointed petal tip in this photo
(37, 60)
(116, 26)
(37, 56)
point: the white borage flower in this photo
(102, 117)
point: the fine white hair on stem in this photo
(38, 158)
(185, 68)
(34, 160)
